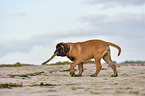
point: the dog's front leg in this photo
(80, 67)
(72, 66)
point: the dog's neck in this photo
(70, 48)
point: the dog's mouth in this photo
(60, 54)
(57, 54)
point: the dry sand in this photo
(131, 81)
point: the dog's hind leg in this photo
(98, 67)
(97, 58)
(107, 59)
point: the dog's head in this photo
(62, 49)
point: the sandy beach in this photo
(54, 80)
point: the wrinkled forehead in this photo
(60, 45)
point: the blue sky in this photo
(30, 29)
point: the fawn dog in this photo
(81, 51)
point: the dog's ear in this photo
(66, 48)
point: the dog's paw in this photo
(72, 74)
(93, 75)
(77, 75)
(114, 75)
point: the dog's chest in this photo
(71, 58)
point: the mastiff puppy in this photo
(81, 51)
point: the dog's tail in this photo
(49, 59)
(116, 46)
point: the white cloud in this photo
(127, 25)
(34, 56)
(111, 3)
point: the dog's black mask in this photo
(62, 49)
